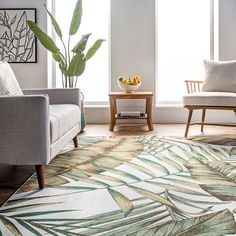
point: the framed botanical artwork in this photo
(17, 42)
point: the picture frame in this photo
(17, 42)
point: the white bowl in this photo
(128, 88)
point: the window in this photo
(184, 39)
(94, 82)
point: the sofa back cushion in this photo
(8, 83)
(220, 76)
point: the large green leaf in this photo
(122, 173)
(233, 151)
(54, 23)
(49, 181)
(94, 182)
(129, 224)
(11, 227)
(169, 162)
(141, 169)
(176, 188)
(81, 188)
(94, 49)
(216, 177)
(79, 162)
(215, 224)
(28, 227)
(81, 45)
(114, 223)
(76, 19)
(40, 213)
(77, 65)
(225, 140)
(44, 228)
(124, 203)
(156, 165)
(57, 57)
(45, 40)
(25, 207)
(106, 177)
(151, 195)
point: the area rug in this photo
(145, 185)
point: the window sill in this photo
(169, 106)
(96, 106)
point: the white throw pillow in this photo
(220, 76)
(8, 83)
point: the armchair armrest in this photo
(58, 95)
(24, 129)
(194, 86)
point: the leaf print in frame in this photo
(17, 41)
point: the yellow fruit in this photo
(138, 78)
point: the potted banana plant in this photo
(71, 60)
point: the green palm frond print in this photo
(131, 185)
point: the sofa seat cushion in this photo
(63, 117)
(219, 99)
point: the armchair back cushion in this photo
(8, 83)
(220, 76)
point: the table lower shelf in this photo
(142, 116)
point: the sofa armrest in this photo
(24, 129)
(58, 95)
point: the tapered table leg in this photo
(113, 111)
(149, 112)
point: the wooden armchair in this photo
(198, 99)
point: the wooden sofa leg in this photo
(75, 141)
(188, 123)
(203, 119)
(40, 175)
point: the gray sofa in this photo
(35, 127)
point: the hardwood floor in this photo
(12, 177)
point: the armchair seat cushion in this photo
(63, 117)
(215, 99)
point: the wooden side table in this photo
(113, 96)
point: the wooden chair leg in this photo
(40, 175)
(203, 119)
(75, 141)
(188, 123)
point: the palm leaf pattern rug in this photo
(140, 185)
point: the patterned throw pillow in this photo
(8, 83)
(220, 76)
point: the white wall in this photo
(133, 52)
(31, 75)
(133, 48)
(133, 41)
(227, 29)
